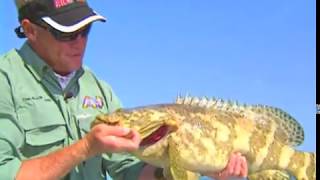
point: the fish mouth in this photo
(155, 136)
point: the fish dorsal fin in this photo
(289, 130)
(212, 103)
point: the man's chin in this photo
(73, 62)
(75, 59)
(67, 71)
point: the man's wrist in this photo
(83, 148)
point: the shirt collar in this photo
(37, 66)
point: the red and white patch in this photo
(61, 3)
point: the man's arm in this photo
(56, 165)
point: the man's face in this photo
(63, 56)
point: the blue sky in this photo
(256, 52)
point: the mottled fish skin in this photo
(204, 132)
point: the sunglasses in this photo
(58, 35)
(62, 36)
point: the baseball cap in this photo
(63, 15)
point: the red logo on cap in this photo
(61, 3)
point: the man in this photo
(48, 100)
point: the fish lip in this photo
(155, 136)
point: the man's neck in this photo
(64, 79)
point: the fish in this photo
(196, 136)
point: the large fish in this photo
(196, 136)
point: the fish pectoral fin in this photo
(270, 174)
(176, 171)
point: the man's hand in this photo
(236, 167)
(103, 138)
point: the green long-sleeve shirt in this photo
(37, 116)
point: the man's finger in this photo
(230, 167)
(239, 163)
(237, 166)
(135, 138)
(244, 167)
(112, 130)
(120, 143)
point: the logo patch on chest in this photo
(92, 102)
